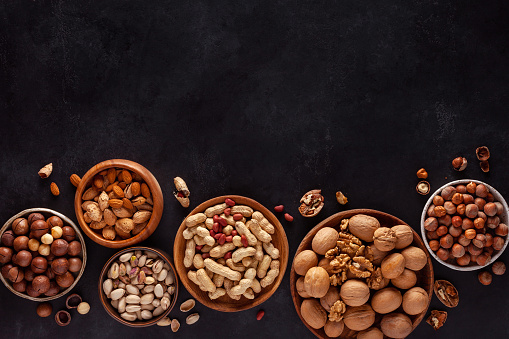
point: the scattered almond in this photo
(75, 180)
(54, 189)
(46, 171)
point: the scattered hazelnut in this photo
(422, 174)
(498, 268)
(44, 310)
(483, 153)
(459, 163)
(485, 278)
(423, 187)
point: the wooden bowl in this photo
(157, 196)
(425, 278)
(225, 303)
(48, 213)
(107, 302)
(504, 218)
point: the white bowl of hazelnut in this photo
(464, 225)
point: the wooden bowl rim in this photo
(105, 300)
(179, 245)
(68, 221)
(341, 215)
(150, 180)
(503, 219)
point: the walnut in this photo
(348, 244)
(338, 279)
(344, 225)
(366, 252)
(337, 310)
(340, 263)
(376, 281)
(361, 267)
(332, 253)
(350, 237)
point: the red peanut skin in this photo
(243, 239)
(237, 216)
(260, 315)
(279, 208)
(227, 211)
(223, 222)
(228, 255)
(288, 217)
(229, 202)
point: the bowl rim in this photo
(67, 220)
(214, 304)
(149, 179)
(105, 299)
(499, 197)
(294, 276)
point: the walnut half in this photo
(361, 267)
(337, 310)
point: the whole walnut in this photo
(370, 333)
(354, 292)
(393, 265)
(378, 255)
(415, 301)
(359, 318)
(316, 282)
(386, 300)
(415, 258)
(330, 298)
(363, 226)
(325, 264)
(404, 236)
(333, 329)
(405, 280)
(301, 290)
(384, 239)
(324, 240)
(304, 261)
(313, 313)
(396, 325)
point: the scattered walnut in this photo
(437, 319)
(340, 263)
(311, 203)
(344, 224)
(338, 279)
(337, 310)
(361, 267)
(341, 198)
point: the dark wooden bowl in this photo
(83, 255)
(224, 303)
(425, 278)
(157, 196)
(106, 302)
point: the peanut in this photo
(234, 266)
(198, 261)
(243, 252)
(259, 251)
(245, 283)
(217, 209)
(199, 240)
(204, 233)
(243, 230)
(209, 222)
(255, 228)
(271, 275)
(237, 241)
(246, 211)
(271, 250)
(206, 249)
(220, 251)
(218, 280)
(247, 261)
(193, 277)
(222, 270)
(228, 284)
(218, 293)
(189, 233)
(228, 230)
(195, 219)
(205, 280)
(264, 266)
(257, 288)
(249, 294)
(189, 253)
(264, 223)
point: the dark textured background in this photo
(266, 99)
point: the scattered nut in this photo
(260, 314)
(341, 198)
(164, 322)
(483, 153)
(54, 189)
(485, 166)
(485, 278)
(311, 203)
(422, 174)
(288, 217)
(83, 308)
(175, 325)
(187, 305)
(437, 319)
(46, 171)
(181, 191)
(423, 187)
(498, 268)
(192, 318)
(279, 208)
(44, 310)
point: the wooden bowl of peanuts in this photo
(231, 253)
(118, 203)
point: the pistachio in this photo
(158, 311)
(134, 261)
(125, 279)
(128, 316)
(148, 307)
(150, 280)
(187, 305)
(107, 287)
(156, 303)
(138, 253)
(116, 282)
(148, 288)
(138, 315)
(132, 299)
(146, 315)
(134, 272)
(127, 267)
(170, 279)
(158, 266)
(175, 325)
(192, 318)
(122, 269)
(114, 303)
(141, 277)
(122, 305)
(121, 285)
(125, 257)
(151, 255)
(164, 322)
(165, 303)
(117, 294)
(158, 290)
(142, 260)
(114, 271)
(132, 308)
(171, 290)
(131, 289)
(162, 275)
(147, 270)
(149, 263)
(147, 298)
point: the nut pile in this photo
(140, 285)
(350, 276)
(463, 225)
(40, 256)
(118, 204)
(230, 248)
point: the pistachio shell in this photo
(187, 305)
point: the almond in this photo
(109, 233)
(118, 191)
(144, 207)
(135, 188)
(145, 191)
(122, 212)
(109, 217)
(125, 224)
(121, 233)
(127, 203)
(90, 194)
(112, 175)
(54, 189)
(138, 228)
(141, 216)
(122, 185)
(86, 217)
(109, 188)
(127, 192)
(126, 176)
(138, 201)
(46, 171)
(98, 182)
(75, 179)
(115, 203)
(97, 225)
(103, 201)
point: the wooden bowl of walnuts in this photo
(361, 272)
(231, 253)
(118, 203)
(464, 225)
(42, 253)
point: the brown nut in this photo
(74, 248)
(63, 318)
(304, 261)
(393, 265)
(446, 293)
(386, 300)
(41, 284)
(448, 192)
(434, 245)
(471, 187)
(438, 200)
(442, 230)
(20, 226)
(324, 240)
(422, 174)
(457, 198)
(405, 280)
(443, 254)
(23, 258)
(471, 210)
(431, 224)
(474, 250)
(501, 230)
(20, 243)
(5, 255)
(482, 153)
(396, 325)
(446, 220)
(462, 240)
(455, 231)
(68, 233)
(8, 238)
(490, 209)
(437, 319)
(446, 241)
(359, 318)
(316, 282)
(464, 260)
(384, 239)
(479, 240)
(481, 191)
(73, 301)
(39, 265)
(449, 207)
(458, 251)
(313, 313)
(498, 243)
(415, 301)
(363, 226)
(470, 233)
(460, 209)
(65, 280)
(404, 235)
(483, 259)
(60, 266)
(485, 166)
(485, 278)
(440, 211)
(498, 268)
(459, 163)
(311, 203)
(423, 187)
(33, 217)
(354, 292)
(44, 310)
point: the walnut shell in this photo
(415, 258)
(316, 282)
(415, 301)
(393, 265)
(370, 333)
(359, 318)
(396, 325)
(300, 288)
(384, 239)
(333, 329)
(304, 261)
(329, 298)
(386, 300)
(354, 292)
(404, 236)
(405, 280)
(313, 313)
(363, 226)
(324, 240)
(378, 256)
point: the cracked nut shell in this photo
(446, 293)
(311, 203)
(437, 319)
(483, 153)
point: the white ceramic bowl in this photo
(503, 219)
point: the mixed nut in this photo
(140, 285)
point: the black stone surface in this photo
(266, 99)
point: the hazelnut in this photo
(423, 187)
(422, 174)
(392, 266)
(479, 223)
(5, 255)
(461, 189)
(431, 224)
(498, 243)
(449, 207)
(446, 241)
(493, 222)
(481, 215)
(457, 198)
(8, 238)
(448, 192)
(479, 240)
(485, 278)
(434, 245)
(386, 300)
(44, 310)
(415, 258)
(489, 250)
(363, 226)
(384, 239)
(490, 198)
(21, 243)
(443, 254)
(68, 233)
(501, 230)
(324, 240)
(41, 284)
(415, 301)
(440, 211)
(457, 221)
(442, 230)
(489, 240)
(474, 250)
(446, 220)
(405, 280)
(20, 226)
(500, 208)
(483, 259)
(483, 153)
(481, 191)
(54, 289)
(438, 200)
(498, 268)
(458, 251)
(432, 235)
(359, 318)
(467, 224)
(59, 247)
(460, 209)
(462, 239)
(471, 187)
(21, 286)
(480, 202)
(316, 282)
(490, 209)
(304, 261)
(471, 210)
(47, 239)
(33, 217)
(459, 163)
(39, 265)
(16, 274)
(60, 266)
(431, 211)
(354, 292)
(464, 260)
(23, 258)
(396, 325)
(468, 199)
(404, 235)
(74, 248)
(44, 249)
(65, 280)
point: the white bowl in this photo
(503, 219)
